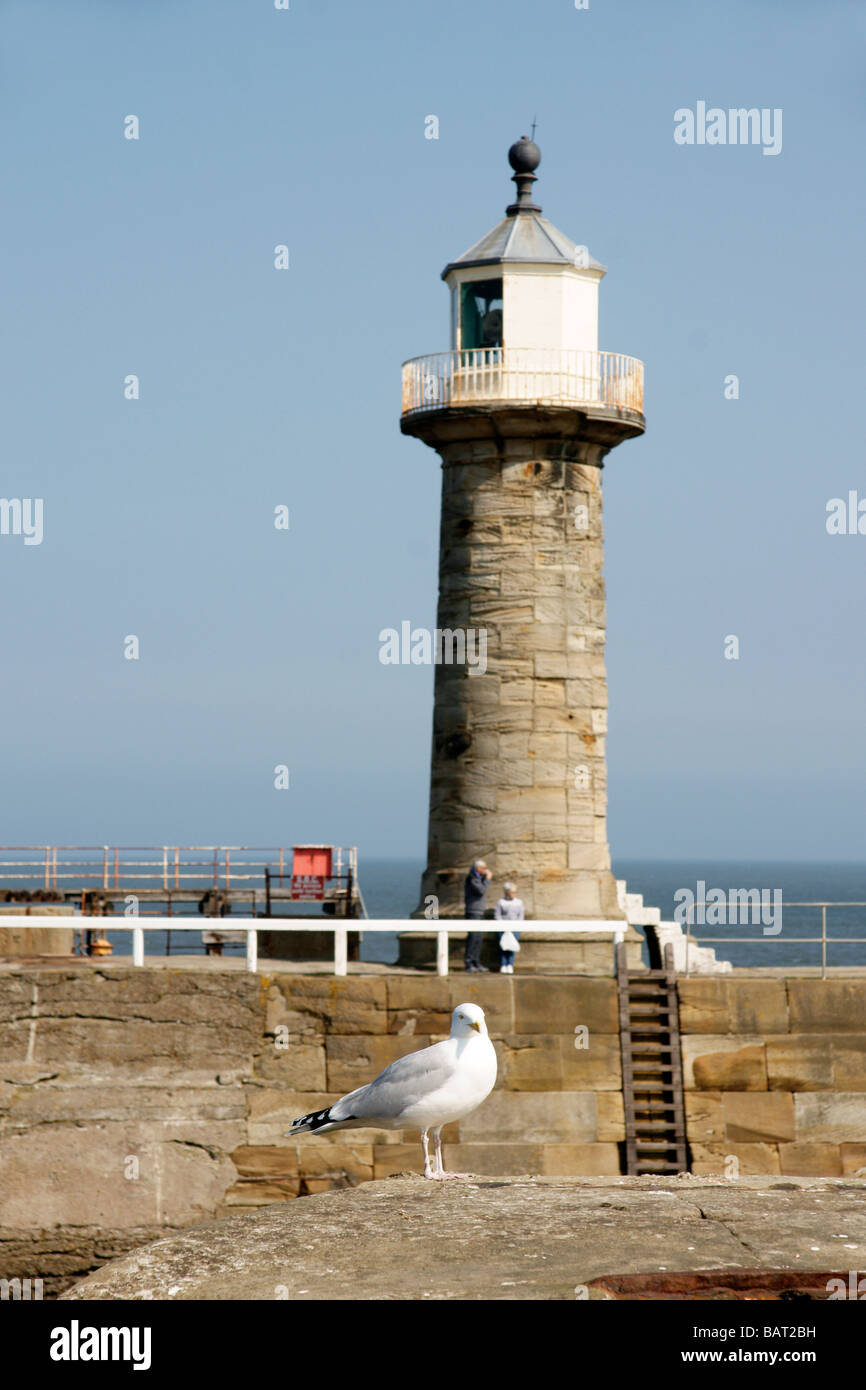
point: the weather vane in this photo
(534, 123)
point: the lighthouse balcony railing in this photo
(529, 376)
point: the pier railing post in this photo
(138, 946)
(252, 951)
(442, 952)
(341, 951)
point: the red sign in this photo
(308, 888)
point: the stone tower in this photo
(522, 410)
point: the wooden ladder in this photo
(652, 1073)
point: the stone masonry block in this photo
(713, 1159)
(756, 1006)
(853, 1158)
(724, 1063)
(486, 1160)
(300, 1067)
(345, 1006)
(703, 1005)
(83, 1175)
(530, 1062)
(610, 1117)
(580, 1160)
(754, 1117)
(264, 1161)
(551, 1005)
(705, 1120)
(849, 1062)
(827, 1006)
(541, 1117)
(811, 1160)
(830, 1117)
(800, 1062)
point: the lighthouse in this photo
(523, 410)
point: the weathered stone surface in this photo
(703, 1005)
(79, 1095)
(811, 1160)
(316, 1159)
(491, 1239)
(831, 1006)
(21, 940)
(579, 1160)
(349, 1005)
(542, 606)
(756, 1117)
(543, 1117)
(756, 1006)
(265, 1161)
(300, 1025)
(750, 1158)
(833, 1118)
(849, 1062)
(738, 1006)
(261, 1192)
(799, 1063)
(405, 1023)
(56, 1017)
(853, 1158)
(610, 1115)
(174, 1180)
(150, 1078)
(724, 1064)
(300, 1066)
(705, 1119)
(562, 1005)
(530, 1062)
(490, 1160)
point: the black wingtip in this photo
(315, 1120)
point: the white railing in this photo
(251, 926)
(542, 376)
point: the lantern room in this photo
(525, 284)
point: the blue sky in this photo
(259, 387)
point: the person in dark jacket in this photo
(474, 895)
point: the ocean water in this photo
(391, 890)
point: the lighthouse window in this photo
(481, 314)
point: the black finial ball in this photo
(524, 155)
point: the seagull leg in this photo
(439, 1171)
(428, 1169)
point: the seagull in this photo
(425, 1090)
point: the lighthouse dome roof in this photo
(523, 235)
(527, 237)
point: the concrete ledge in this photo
(508, 1239)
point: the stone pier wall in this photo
(133, 1102)
(775, 1075)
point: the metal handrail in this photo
(109, 866)
(544, 376)
(821, 940)
(253, 925)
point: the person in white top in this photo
(508, 909)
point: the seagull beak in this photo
(476, 1025)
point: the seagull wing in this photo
(400, 1085)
